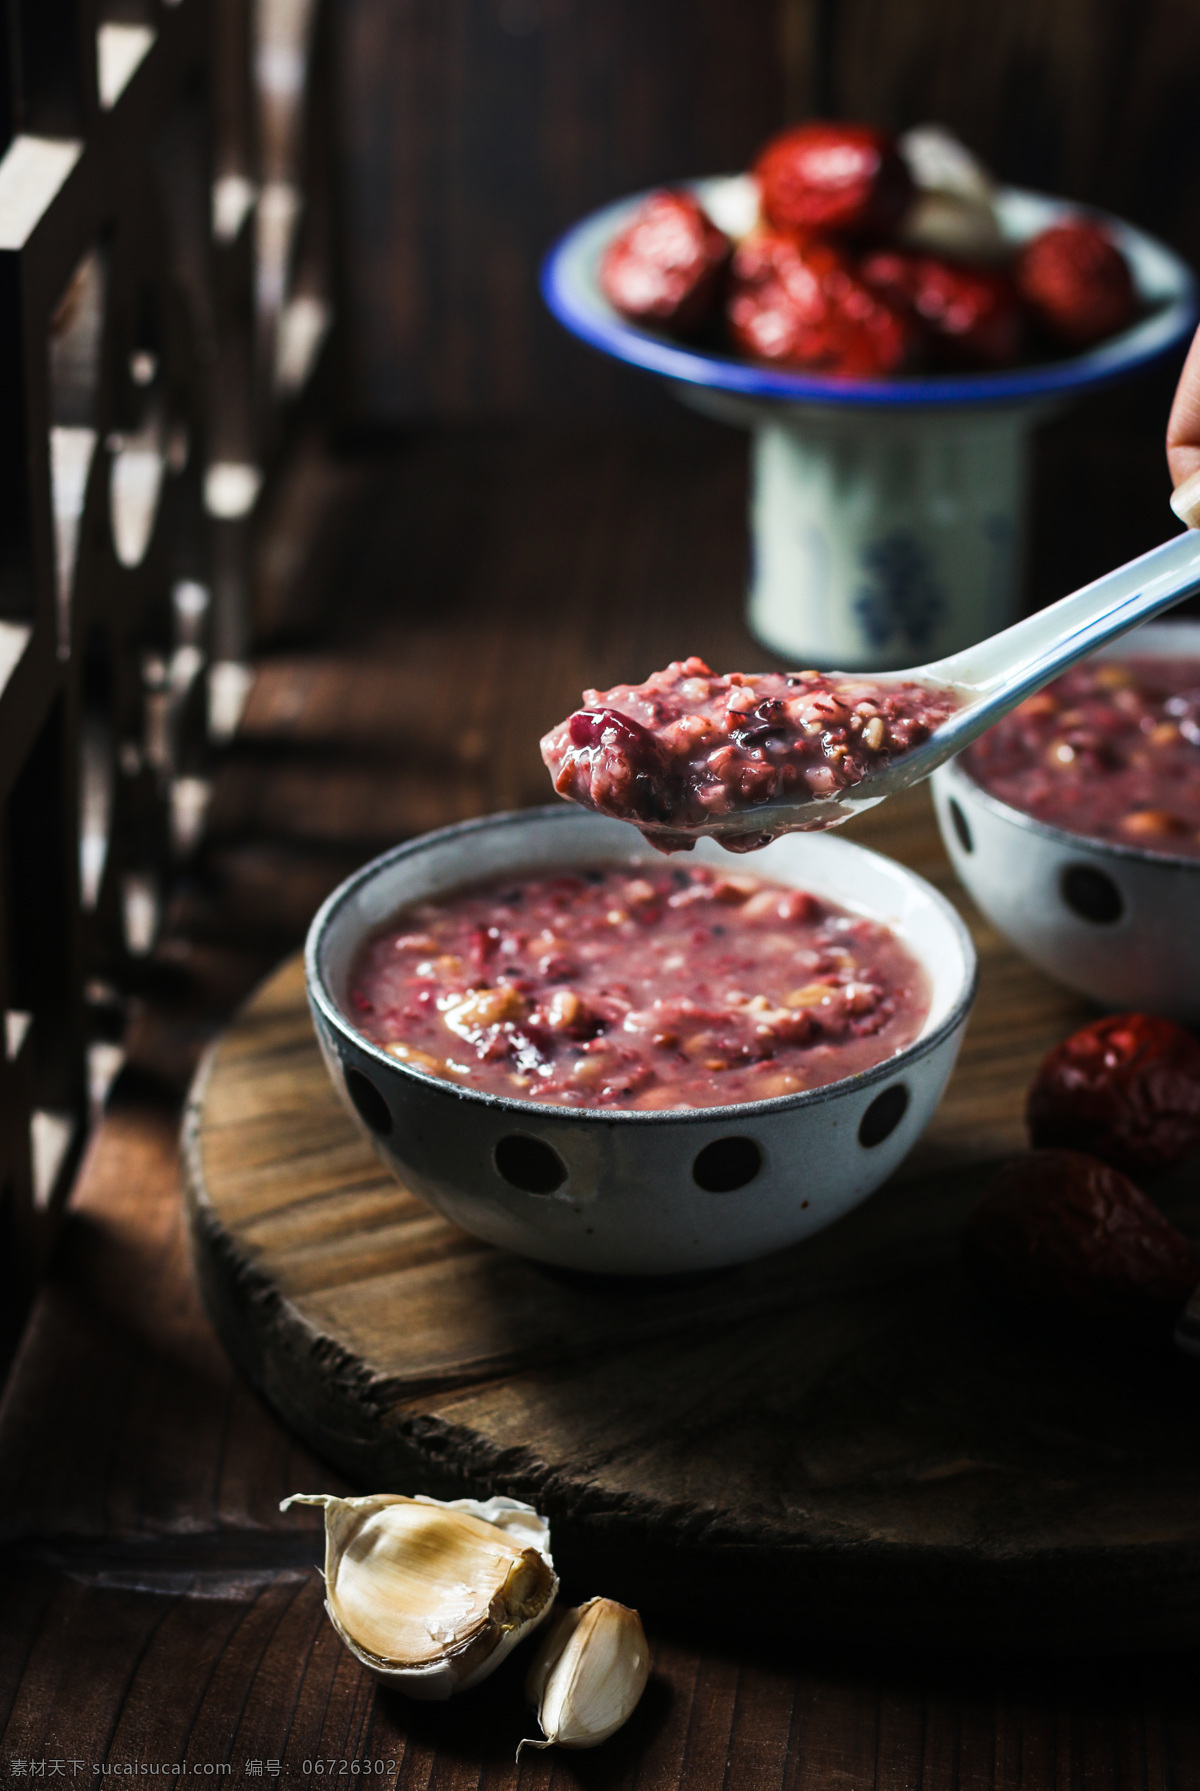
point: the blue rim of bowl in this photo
(571, 291)
(322, 999)
(955, 772)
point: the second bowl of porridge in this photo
(1075, 823)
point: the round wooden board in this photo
(841, 1441)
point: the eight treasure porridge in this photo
(637, 986)
(1111, 750)
(690, 746)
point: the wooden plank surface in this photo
(157, 1606)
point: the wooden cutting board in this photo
(842, 1442)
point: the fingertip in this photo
(1185, 501)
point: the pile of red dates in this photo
(1065, 1229)
(849, 265)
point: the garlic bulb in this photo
(588, 1674)
(433, 1594)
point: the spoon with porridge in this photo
(742, 757)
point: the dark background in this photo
(474, 131)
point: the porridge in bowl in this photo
(646, 987)
(1109, 751)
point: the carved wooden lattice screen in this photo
(164, 300)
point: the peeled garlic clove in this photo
(588, 1674)
(735, 205)
(940, 163)
(432, 1594)
(954, 212)
(948, 224)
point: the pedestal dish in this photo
(887, 516)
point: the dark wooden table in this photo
(157, 1608)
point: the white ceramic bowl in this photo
(1114, 922)
(629, 1192)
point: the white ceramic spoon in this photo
(993, 677)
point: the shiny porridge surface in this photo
(691, 746)
(640, 986)
(1111, 751)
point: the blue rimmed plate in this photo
(1165, 283)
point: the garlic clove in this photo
(954, 212)
(735, 205)
(432, 1594)
(588, 1674)
(949, 224)
(940, 163)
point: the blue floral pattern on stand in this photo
(903, 598)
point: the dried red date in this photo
(1077, 283)
(833, 179)
(800, 304)
(972, 314)
(666, 269)
(1070, 1235)
(1125, 1088)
